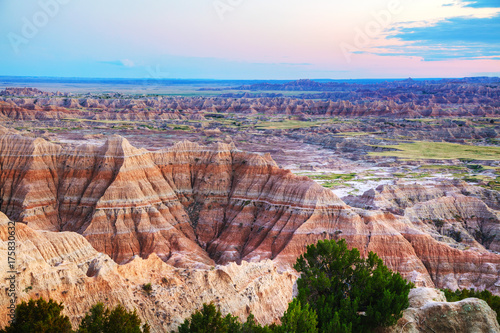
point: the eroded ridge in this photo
(193, 205)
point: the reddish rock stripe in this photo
(192, 204)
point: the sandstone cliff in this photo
(450, 211)
(65, 267)
(196, 206)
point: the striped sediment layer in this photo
(195, 206)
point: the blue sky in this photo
(456, 38)
(250, 39)
(483, 4)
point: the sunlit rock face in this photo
(196, 206)
(63, 266)
(429, 311)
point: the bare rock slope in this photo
(65, 267)
(429, 312)
(196, 206)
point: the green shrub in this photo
(39, 316)
(103, 320)
(298, 318)
(349, 293)
(210, 320)
(251, 326)
(147, 287)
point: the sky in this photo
(250, 39)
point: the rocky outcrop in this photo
(65, 267)
(450, 211)
(196, 206)
(430, 312)
(396, 198)
(174, 202)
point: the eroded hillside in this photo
(196, 206)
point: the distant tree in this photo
(119, 320)
(298, 318)
(347, 292)
(39, 316)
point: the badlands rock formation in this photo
(463, 213)
(375, 133)
(407, 98)
(195, 206)
(65, 267)
(28, 92)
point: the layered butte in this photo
(196, 206)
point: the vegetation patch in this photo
(210, 319)
(477, 179)
(440, 150)
(493, 184)
(333, 179)
(286, 124)
(334, 176)
(41, 316)
(181, 128)
(414, 175)
(147, 287)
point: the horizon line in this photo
(240, 79)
